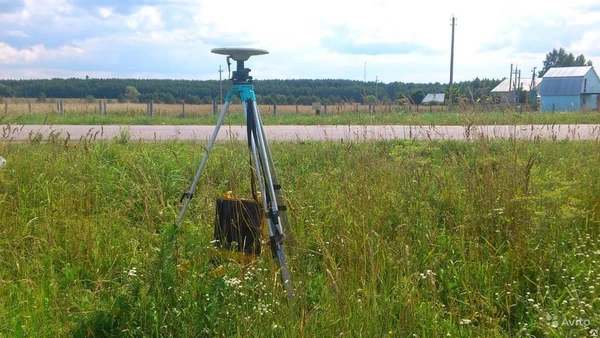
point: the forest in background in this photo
(300, 91)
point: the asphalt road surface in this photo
(302, 133)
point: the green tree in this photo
(41, 97)
(192, 99)
(167, 98)
(90, 98)
(417, 96)
(132, 94)
(456, 93)
(560, 58)
(370, 99)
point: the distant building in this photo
(570, 88)
(433, 98)
(506, 96)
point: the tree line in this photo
(298, 91)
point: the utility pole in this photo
(510, 85)
(451, 64)
(517, 83)
(519, 88)
(532, 97)
(220, 85)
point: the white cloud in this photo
(145, 19)
(400, 41)
(13, 56)
(105, 12)
(589, 43)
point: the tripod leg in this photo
(280, 200)
(257, 143)
(187, 196)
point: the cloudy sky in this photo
(393, 40)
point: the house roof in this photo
(436, 97)
(567, 71)
(502, 87)
(562, 86)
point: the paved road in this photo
(304, 133)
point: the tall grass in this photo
(289, 117)
(394, 239)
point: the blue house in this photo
(570, 89)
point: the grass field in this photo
(393, 239)
(76, 112)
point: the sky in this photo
(372, 40)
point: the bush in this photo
(41, 97)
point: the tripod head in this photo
(241, 75)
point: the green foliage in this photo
(41, 97)
(369, 99)
(131, 94)
(560, 58)
(417, 96)
(456, 93)
(286, 117)
(90, 99)
(192, 99)
(301, 91)
(394, 239)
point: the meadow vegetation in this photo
(392, 239)
(172, 114)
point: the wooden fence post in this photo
(62, 107)
(296, 109)
(5, 108)
(370, 108)
(151, 108)
(325, 109)
(183, 109)
(215, 107)
(100, 107)
(275, 109)
(29, 105)
(104, 107)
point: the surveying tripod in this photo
(264, 169)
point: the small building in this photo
(509, 96)
(433, 98)
(570, 89)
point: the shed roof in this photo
(562, 86)
(436, 97)
(567, 71)
(502, 87)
